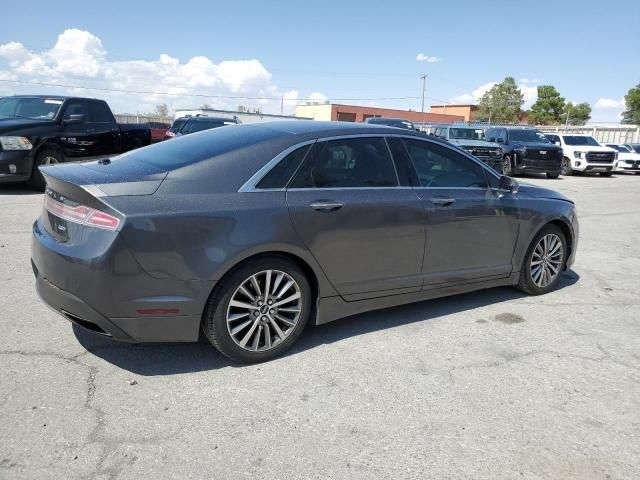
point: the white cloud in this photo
(530, 94)
(609, 103)
(317, 97)
(426, 58)
(529, 80)
(79, 58)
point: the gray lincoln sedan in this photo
(250, 232)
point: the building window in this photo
(346, 117)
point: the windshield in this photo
(530, 136)
(635, 147)
(466, 133)
(620, 148)
(393, 123)
(580, 140)
(177, 124)
(34, 108)
(198, 126)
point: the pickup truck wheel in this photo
(565, 167)
(553, 174)
(507, 167)
(44, 157)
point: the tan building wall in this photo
(315, 112)
(357, 113)
(465, 111)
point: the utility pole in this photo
(282, 105)
(424, 84)
(566, 123)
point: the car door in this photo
(75, 138)
(102, 129)
(471, 227)
(366, 231)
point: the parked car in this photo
(526, 150)
(175, 127)
(250, 232)
(472, 140)
(633, 146)
(628, 160)
(40, 130)
(158, 131)
(391, 122)
(582, 153)
(200, 123)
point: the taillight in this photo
(170, 133)
(81, 214)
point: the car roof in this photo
(52, 97)
(396, 119)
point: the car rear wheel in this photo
(544, 261)
(507, 167)
(44, 157)
(259, 310)
(565, 167)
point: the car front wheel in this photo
(259, 310)
(507, 167)
(544, 261)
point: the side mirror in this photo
(491, 139)
(500, 140)
(508, 184)
(78, 118)
(557, 143)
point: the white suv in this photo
(582, 153)
(628, 160)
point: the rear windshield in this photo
(178, 123)
(189, 149)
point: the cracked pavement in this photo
(491, 384)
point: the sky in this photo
(275, 54)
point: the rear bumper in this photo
(108, 293)
(20, 161)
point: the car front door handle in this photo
(326, 205)
(443, 202)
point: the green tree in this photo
(632, 101)
(548, 108)
(501, 103)
(578, 114)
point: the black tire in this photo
(214, 323)
(553, 174)
(507, 166)
(46, 156)
(605, 174)
(526, 283)
(565, 167)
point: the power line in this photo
(202, 95)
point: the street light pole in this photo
(424, 83)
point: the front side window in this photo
(441, 167)
(75, 108)
(348, 163)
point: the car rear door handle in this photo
(443, 202)
(326, 205)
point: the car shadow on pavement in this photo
(177, 358)
(17, 189)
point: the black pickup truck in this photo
(39, 130)
(526, 150)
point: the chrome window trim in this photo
(250, 185)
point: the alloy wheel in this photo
(546, 260)
(564, 166)
(264, 310)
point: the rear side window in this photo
(348, 163)
(98, 113)
(279, 176)
(441, 167)
(76, 107)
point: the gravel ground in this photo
(492, 384)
